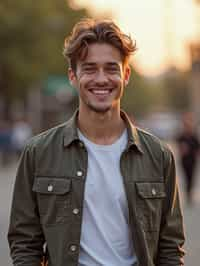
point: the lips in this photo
(100, 91)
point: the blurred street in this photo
(191, 214)
(7, 176)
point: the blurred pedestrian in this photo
(97, 189)
(188, 146)
(21, 133)
(5, 142)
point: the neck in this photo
(101, 128)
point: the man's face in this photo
(100, 78)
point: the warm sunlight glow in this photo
(162, 29)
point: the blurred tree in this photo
(31, 43)
(170, 91)
(141, 94)
(176, 86)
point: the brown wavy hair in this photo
(89, 31)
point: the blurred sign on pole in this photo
(195, 79)
(54, 99)
(59, 87)
(194, 50)
(195, 57)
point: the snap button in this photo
(75, 211)
(81, 144)
(153, 191)
(79, 173)
(73, 248)
(50, 188)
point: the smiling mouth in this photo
(101, 91)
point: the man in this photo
(189, 147)
(97, 190)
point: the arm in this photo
(170, 251)
(25, 235)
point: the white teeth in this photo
(100, 91)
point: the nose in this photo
(101, 77)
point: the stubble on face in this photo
(98, 110)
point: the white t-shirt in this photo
(105, 237)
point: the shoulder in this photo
(155, 147)
(47, 137)
(149, 140)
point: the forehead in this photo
(103, 53)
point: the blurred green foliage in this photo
(32, 35)
(170, 91)
(141, 94)
(177, 89)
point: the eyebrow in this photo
(86, 64)
(112, 64)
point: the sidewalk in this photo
(191, 216)
(192, 247)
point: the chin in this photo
(100, 109)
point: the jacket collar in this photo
(71, 133)
(133, 137)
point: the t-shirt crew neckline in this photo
(110, 147)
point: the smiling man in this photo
(97, 190)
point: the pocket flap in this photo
(151, 189)
(50, 185)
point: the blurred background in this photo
(35, 93)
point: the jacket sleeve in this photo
(25, 235)
(170, 250)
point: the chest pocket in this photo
(54, 198)
(149, 199)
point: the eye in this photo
(112, 69)
(89, 69)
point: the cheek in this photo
(117, 80)
(85, 79)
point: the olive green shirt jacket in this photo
(48, 199)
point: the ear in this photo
(127, 73)
(72, 77)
